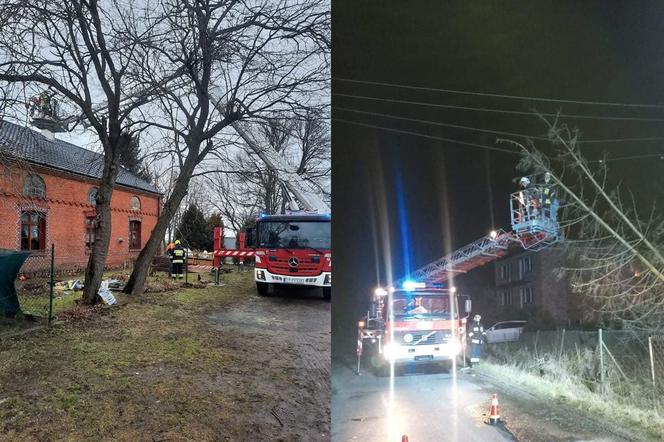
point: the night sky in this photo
(453, 194)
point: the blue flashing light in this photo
(410, 285)
(262, 215)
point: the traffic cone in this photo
(494, 413)
(404, 438)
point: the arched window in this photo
(135, 203)
(92, 196)
(34, 187)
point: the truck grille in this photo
(307, 266)
(424, 337)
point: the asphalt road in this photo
(426, 403)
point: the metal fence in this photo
(623, 362)
(50, 283)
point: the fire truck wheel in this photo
(263, 288)
(327, 293)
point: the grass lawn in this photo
(146, 369)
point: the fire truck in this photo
(417, 322)
(421, 320)
(293, 249)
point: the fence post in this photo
(652, 372)
(51, 284)
(601, 361)
(562, 342)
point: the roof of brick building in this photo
(29, 145)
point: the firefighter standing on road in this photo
(477, 336)
(178, 255)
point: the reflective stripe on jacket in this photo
(177, 255)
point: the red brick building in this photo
(47, 196)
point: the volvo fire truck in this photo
(418, 319)
(417, 322)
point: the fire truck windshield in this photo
(294, 235)
(409, 305)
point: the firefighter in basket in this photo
(528, 200)
(548, 196)
(477, 335)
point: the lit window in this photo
(33, 231)
(134, 234)
(135, 203)
(92, 196)
(34, 187)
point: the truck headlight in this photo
(389, 351)
(453, 348)
(408, 338)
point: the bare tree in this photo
(613, 245)
(238, 61)
(80, 51)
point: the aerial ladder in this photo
(534, 227)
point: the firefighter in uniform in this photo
(477, 336)
(178, 255)
(548, 196)
(169, 248)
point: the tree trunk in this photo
(136, 283)
(97, 260)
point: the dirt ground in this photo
(218, 363)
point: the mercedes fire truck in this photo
(292, 249)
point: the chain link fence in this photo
(656, 350)
(51, 282)
(626, 363)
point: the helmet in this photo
(477, 318)
(177, 242)
(525, 181)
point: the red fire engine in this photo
(293, 249)
(422, 321)
(289, 249)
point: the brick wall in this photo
(66, 205)
(550, 293)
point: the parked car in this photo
(505, 331)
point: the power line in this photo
(456, 126)
(514, 97)
(432, 137)
(501, 111)
(632, 157)
(481, 146)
